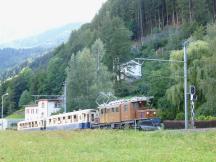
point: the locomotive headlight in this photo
(154, 113)
(147, 113)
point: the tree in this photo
(198, 51)
(82, 75)
(117, 41)
(25, 98)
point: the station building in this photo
(42, 109)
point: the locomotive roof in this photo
(118, 102)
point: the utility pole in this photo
(185, 85)
(2, 115)
(65, 97)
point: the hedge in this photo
(179, 124)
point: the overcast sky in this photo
(21, 18)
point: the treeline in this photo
(123, 30)
(145, 16)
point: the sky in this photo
(23, 18)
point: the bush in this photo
(173, 124)
(203, 118)
(180, 116)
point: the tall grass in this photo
(107, 146)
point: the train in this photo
(120, 114)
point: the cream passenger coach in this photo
(74, 120)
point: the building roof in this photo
(131, 62)
(31, 106)
(49, 100)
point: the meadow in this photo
(108, 146)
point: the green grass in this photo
(17, 115)
(108, 146)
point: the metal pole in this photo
(65, 97)
(2, 111)
(135, 124)
(185, 85)
(192, 115)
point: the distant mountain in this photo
(15, 53)
(47, 39)
(11, 58)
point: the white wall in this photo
(44, 109)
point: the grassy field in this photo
(107, 145)
(17, 115)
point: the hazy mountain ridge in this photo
(11, 58)
(15, 53)
(47, 39)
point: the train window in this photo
(117, 109)
(63, 118)
(87, 117)
(113, 109)
(69, 117)
(92, 117)
(135, 105)
(50, 120)
(101, 111)
(125, 108)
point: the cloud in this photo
(20, 18)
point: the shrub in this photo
(180, 116)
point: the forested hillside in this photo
(121, 31)
(10, 58)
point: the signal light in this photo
(192, 90)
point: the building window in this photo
(56, 104)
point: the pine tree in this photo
(25, 98)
